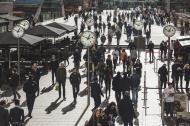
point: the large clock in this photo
(89, 22)
(25, 24)
(169, 30)
(138, 25)
(88, 38)
(18, 31)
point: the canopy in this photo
(10, 17)
(184, 40)
(68, 28)
(48, 31)
(7, 38)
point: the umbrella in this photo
(48, 31)
(7, 38)
(68, 28)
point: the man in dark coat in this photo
(37, 74)
(125, 84)
(116, 86)
(17, 114)
(151, 51)
(135, 83)
(126, 110)
(4, 114)
(77, 58)
(75, 80)
(163, 72)
(61, 75)
(96, 93)
(54, 64)
(30, 88)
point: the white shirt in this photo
(115, 54)
(167, 96)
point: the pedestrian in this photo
(133, 55)
(118, 36)
(179, 75)
(14, 82)
(35, 71)
(124, 58)
(116, 86)
(96, 93)
(115, 55)
(104, 27)
(135, 84)
(109, 62)
(125, 84)
(103, 38)
(151, 51)
(138, 67)
(101, 71)
(147, 36)
(61, 75)
(111, 113)
(168, 95)
(54, 64)
(76, 20)
(163, 72)
(187, 76)
(108, 77)
(4, 114)
(126, 110)
(162, 50)
(75, 80)
(30, 88)
(17, 114)
(101, 51)
(77, 58)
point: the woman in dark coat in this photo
(187, 76)
(126, 110)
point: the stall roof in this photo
(10, 17)
(184, 40)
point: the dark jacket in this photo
(61, 75)
(151, 46)
(17, 115)
(126, 110)
(116, 83)
(135, 80)
(187, 74)
(13, 80)
(36, 74)
(125, 83)
(54, 65)
(4, 117)
(109, 63)
(30, 86)
(163, 73)
(95, 89)
(138, 67)
(75, 79)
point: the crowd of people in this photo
(103, 68)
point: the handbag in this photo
(57, 87)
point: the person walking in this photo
(115, 55)
(125, 84)
(179, 75)
(126, 110)
(101, 69)
(151, 51)
(138, 67)
(163, 72)
(124, 59)
(17, 114)
(75, 80)
(14, 82)
(4, 114)
(36, 74)
(77, 58)
(168, 95)
(111, 113)
(187, 76)
(109, 62)
(54, 64)
(30, 88)
(61, 75)
(135, 83)
(108, 77)
(116, 87)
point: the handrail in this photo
(88, 97)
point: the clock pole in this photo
(18, 49)
(168, 59)
(88, 80)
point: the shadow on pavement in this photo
(26, 120)
(53, 106)
(83, 92)
(46, 90)
(24, 104)
(68, 108)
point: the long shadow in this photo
(83, 92)
(46, 90)
(68, 108)
(24, 104)
(53, 106)
(26, 120)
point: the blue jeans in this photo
(135, 95)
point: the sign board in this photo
(184, 40)
(140, 42)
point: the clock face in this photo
(25, 24)
(18, 31)
(88, 38)
(138, 25)
(169, 30)
(89, 22)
